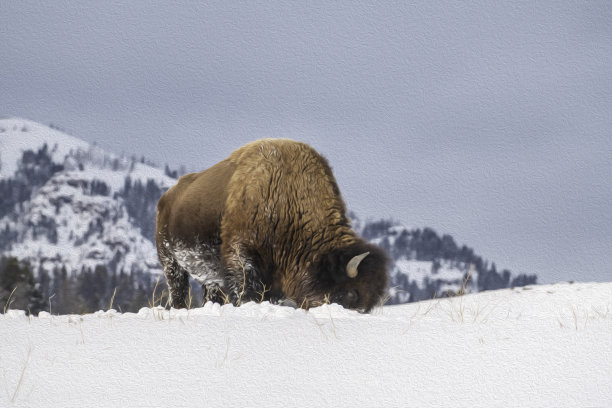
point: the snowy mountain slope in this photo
(537, 346)
(447, 278)
(18, 135)
(66, 226)
(426, 265)
(78, 217)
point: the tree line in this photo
(62, 292)
(427, 245)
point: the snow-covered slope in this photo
(426, 265)
(66, 226)
(537, 346)
(78, 217)
(18, 135)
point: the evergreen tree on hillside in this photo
(33, 171)
(65, 299)
(141, 203)
(92, 288)
(17, 287)
(124, 290)
(44, 284)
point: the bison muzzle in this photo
(267, 223)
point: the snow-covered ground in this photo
(538, 346)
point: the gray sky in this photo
(491, 121)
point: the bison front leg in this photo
(244, 273)
(214, 293)
(178, 285)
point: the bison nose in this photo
(288, 302)
(345, 298)
(351, 297)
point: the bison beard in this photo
(267, 223)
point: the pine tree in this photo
(65, 299)
(17, 287)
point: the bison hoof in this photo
(287, 302)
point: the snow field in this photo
(536, 346)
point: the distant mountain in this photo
(69, 206)
(426, 265)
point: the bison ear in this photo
(351, 267)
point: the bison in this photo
(267, 223)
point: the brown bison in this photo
(267, 223)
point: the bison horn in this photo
(351, 267)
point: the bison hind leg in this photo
(178, 285)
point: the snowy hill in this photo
(537, 346)
(75, 215)
(18, 135)
(72, 228)
(427, 265)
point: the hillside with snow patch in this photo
(18, 135)
(76, 218)
(537, 346)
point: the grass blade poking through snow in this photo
(7, 305)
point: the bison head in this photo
(354, 277)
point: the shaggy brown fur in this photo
(268, 223)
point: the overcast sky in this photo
(491, 121)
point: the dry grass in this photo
(418, 314)
(81, 330)
(51, 297)
(263, 292)
(237, 249)
(228, 356)
(579, 317)
(155, 303)
(458, 312)
(319, 326)
(378, 308)
(455, 306)
(333, 325)
(462, 313)
(152, 302)
(8, 303)
(162, 300)
(600, 313)
(221, 363)
(479, 310)
(226, 299)
(432, 305)
(21, 376)
(574, 313)
(189, 299)
(110, 306)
